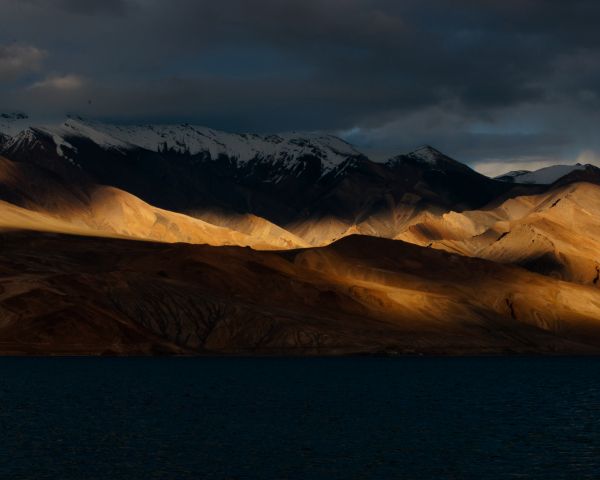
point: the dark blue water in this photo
(420, 418)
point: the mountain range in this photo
(180, 239)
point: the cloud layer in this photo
(484, 80)
(17, 60)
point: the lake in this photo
(274, 418)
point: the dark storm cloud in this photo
(84, 7)
(483, 78)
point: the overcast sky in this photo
(496, 83)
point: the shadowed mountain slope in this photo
(384, 199)
(32, 197)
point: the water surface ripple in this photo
(346, 418)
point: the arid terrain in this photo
(312, 249)
(80, 295)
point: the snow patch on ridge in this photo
(285, 148)
(543, 176)
(192, 139)
(426, 154)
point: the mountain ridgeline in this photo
(288, 179)
(132, 239)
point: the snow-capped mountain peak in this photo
(427, 154)
(285, 148)
(543, 176)
(430, 158)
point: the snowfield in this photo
(543, 176)
(192, 139)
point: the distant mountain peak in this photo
(193, 139)
(432, 159)
(429, 155)
(542, 176)
(426, 152)
(282, 154)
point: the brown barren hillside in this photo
(64, 294)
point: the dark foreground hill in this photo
(65, 295)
